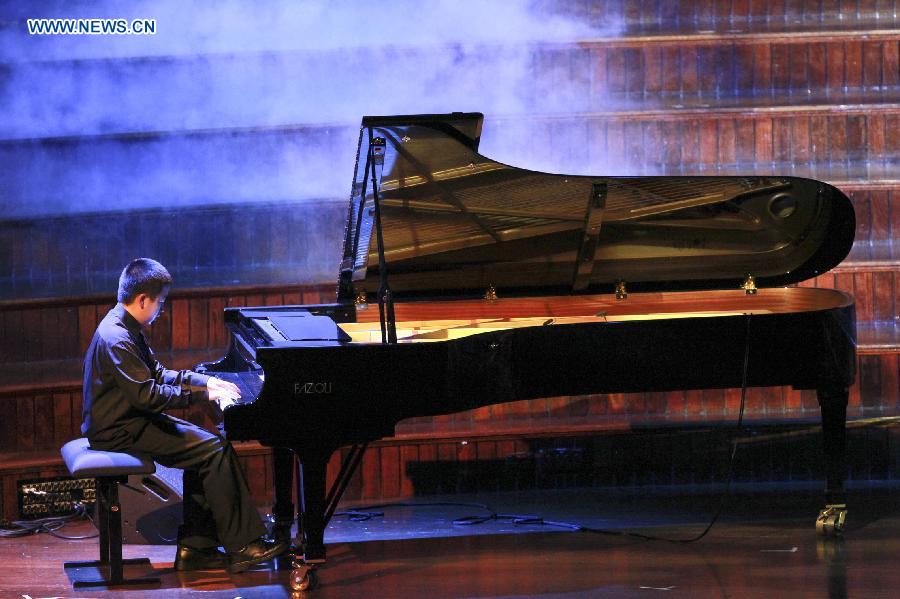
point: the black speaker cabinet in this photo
(151, 507)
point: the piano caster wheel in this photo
(830, 522)
(304, 578)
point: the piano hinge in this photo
(621, 291)
(749, 285)
(491, 294)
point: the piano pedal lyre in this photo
(830, 522)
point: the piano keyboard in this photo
(250, 383)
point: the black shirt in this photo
(124, 385)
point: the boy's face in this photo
(147, 308)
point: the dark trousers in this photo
(218, 509)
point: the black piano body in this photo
(465, 282)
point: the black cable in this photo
(51, 524)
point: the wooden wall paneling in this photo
(862, 207)
(885, 292)
(869, 382)
(744, 73)
(198, 319)
(8, 428)
(854, 64)
(835, 67)
(616, 70)
(67, 331)
(599, 85)
(837, 133)
(160, 334)
(6, 339)
(892, 139)
(844, 282)
(819, 143)
(727, 141)
(755, 402)
(24, 424)
(46, 335)
(857, 149)
(44, 436)
(872, 64)
(409, 454)
(891, 69)
(39, 256)
(653, 69)
(725, 66)
(762, 68)
(671, 143)
(810, 402)
(890, 381)
(87, 316)
(781, 140)
(62, 419)
(875, 137)
(634, 145)
(597, 156)
(293, 298)
(676, 403)
(693, 403)
(654, 403)
(744, 141)
(179, 313)
(390, 472)
(218, 334)
(817, 67)
(732, 399)
(634, 71)
(867, 8)
(764, 141)
(30, 336)
(670, 70)
(690, 75)
(709, 143)
(798, 68)
(707, 68)
(10, 496)
(686, 13)
(370, 469)
(577, 80)
(615, 145)
(651, 151)
(800, 140)
(793, 401)
(255, 300)
(781, 74)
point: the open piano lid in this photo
(455, 223)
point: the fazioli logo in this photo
(312, 388)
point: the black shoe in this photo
(260, 550)
(189, 558)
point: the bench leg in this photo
(109, 523)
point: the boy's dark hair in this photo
(143, 275)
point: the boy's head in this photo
(143, 287)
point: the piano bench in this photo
(109, 468)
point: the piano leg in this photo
(833, 404)
(283, 510)
(311, 533)
(311, 493)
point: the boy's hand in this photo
(222, 392)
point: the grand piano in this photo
(466, 282)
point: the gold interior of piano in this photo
(442, 321)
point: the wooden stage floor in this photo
(764, 545)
